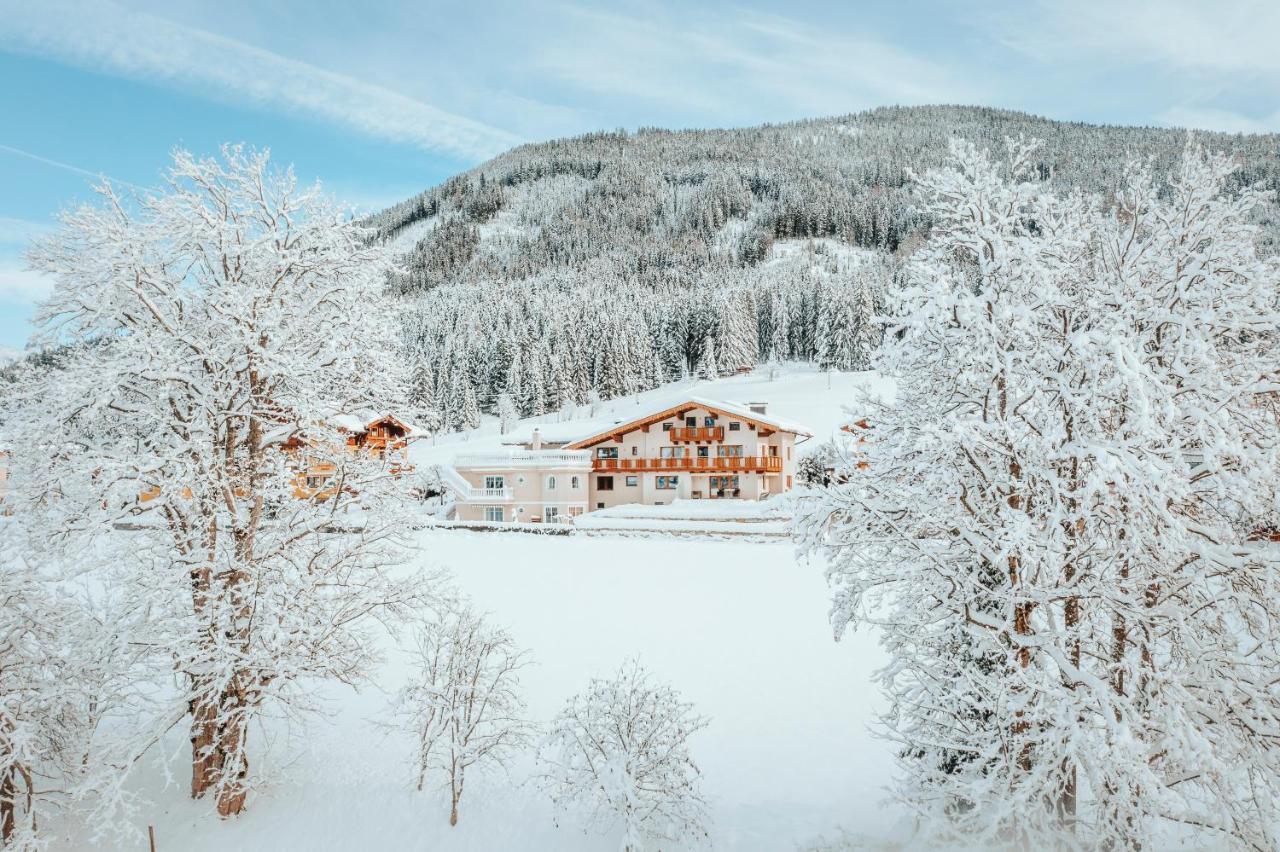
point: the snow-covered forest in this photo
(617, 261)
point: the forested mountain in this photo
(616, 261)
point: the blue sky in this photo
(381, 102)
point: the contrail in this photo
(66, 166)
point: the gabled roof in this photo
(729, 409)
(362, 421)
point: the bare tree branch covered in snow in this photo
(1054, 526)
(463, 706)
(187, 456)
(620, 751)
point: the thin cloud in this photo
(104, 36)
(58, 164)
(1177, 35)
(20, 232)
(22, 286)
(709, 64)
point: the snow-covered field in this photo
(740, 628)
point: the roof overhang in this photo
(616, 431)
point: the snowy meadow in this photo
(739, 628)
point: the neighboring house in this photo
(384, 436)
(696, 449)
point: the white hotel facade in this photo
(698, 449)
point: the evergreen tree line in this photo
(548, 344)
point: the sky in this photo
(379, 103)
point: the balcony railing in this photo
(692, 464)
(490, 494)
(524, 458)
(697, 433)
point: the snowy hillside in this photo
(617, 262)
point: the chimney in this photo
(536, 443)
(758, 407)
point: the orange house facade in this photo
(697, 449)
(382, 436)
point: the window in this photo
(788, 454)
(773, 451)
(315, 481)
(550, 514)
(668, 482)
(574, 483)
(723, 485)
(575, 511)
(606, 452)
(494, 483)
(726, 451)
(599, 505)
(493, 513)
(633, 481)
(735, 426)
(635, 451)
(673, 452)
(709, 420)
(666, 427)
(704, 452)
(691, 422)
(551, 483)
(604, 483)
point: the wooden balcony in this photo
(692, 464)
(697, 433)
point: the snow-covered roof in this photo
(581, 430)
(744, 411)
(360, 421)
(514, 458)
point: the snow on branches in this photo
(620, 750)
(1054, 526)
(463, 706)
(189, 451)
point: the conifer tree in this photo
(707, 365)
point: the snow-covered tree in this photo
(708, 367)
(620, 749)
(1053, 526)
(221, 332)
(463, 706)
(507, 413)
(739, 337)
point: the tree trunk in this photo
(205, 765)
(8, 807)
(218, 747)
